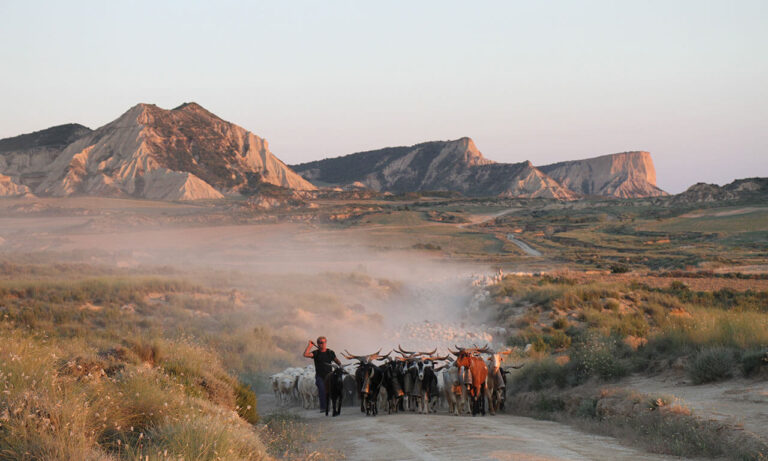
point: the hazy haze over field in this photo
(547, 82)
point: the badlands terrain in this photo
(157, 271)
(245, 282)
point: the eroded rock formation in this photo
(186, 153)
(439, 165)
(624, 175)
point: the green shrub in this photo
(246, 403)
(712, 364)
(546, 404)
(612, 304)
(560, 323)
(619, 269)
(600, 357)
(587, 408)
(540, 375)
(632, 325)
(558, 340)
(753, 361)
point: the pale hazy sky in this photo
(541, 81)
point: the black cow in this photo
(368, 378)
(350, 389)
(334, 389)
(392, 372)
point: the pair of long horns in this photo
(405, 353)
(365, 358)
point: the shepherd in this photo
(323, 358)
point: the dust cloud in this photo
(301, 281)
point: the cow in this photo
(368, 378)
(391, 385)
(496, 382)
(350, 386)
(425, 388)
(408, 360)
(453, 390)
(418, 366)
(334, 389)
(474, 375)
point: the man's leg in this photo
(320, 382)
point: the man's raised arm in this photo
(308, 350)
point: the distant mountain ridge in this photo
(54, 137)
(186, 153)
(458, 165)
(740, 189)
(438, 165)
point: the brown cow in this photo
(469, 360)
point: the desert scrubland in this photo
(136, 328)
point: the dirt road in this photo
(523, 246)
(442, 437)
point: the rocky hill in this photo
(56, 137)
(623, 175)
(739, 190)
(24, 158)
(459, 166)
(439, 165)
(186, 153)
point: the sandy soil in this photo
(443, 437)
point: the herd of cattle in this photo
(404, 380)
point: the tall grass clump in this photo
(81, 399)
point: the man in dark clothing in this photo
(323, 358)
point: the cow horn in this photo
(429, 354)
(516, 367)
(484, 350)
(349, 356)
(456, 353)
(506, 352)
(403, 351)
(374, 355)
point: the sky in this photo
(544, 81)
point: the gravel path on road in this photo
(409, 436)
